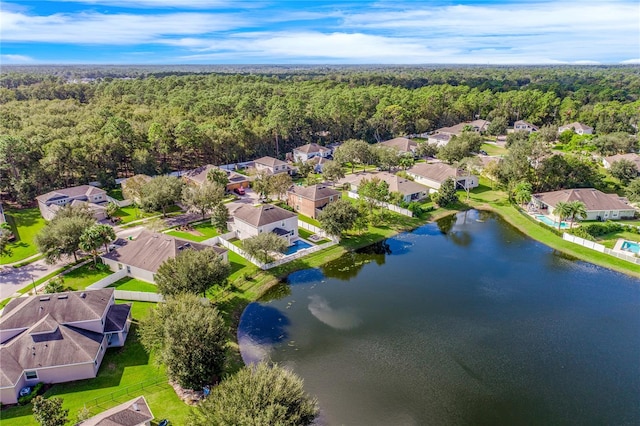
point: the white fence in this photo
(312, 228)
(107, 281)
(298, 255)
(599, 247)
(120, 203)
(388, 206)
(141, 296)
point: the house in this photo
(310, 200)
(402, 145)
(523, 126)
(410, 190)
(634, 158)
(143, 256)
(94, 198)
(249, 221)
(56, 338)
(311, 150)
(599, 206)
(434, 174)
(318, 163)
(579, 128)
(440, 139)
(271, 165)
(198, 176)
(135, 412)
(478, 126)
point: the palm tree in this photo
(522, 192)
(562, 210)
(578, 209)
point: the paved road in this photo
(15, 279)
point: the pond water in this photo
(461, 322)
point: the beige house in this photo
(135, 412)
(310, 200)
(198, 176)
(402, 145)
(60, 337)
(523, 126)
(434, 174)
(311, 150)
(599, 206)
(478, 126)
(249, 221)
(579, 128)
(143, 256)
(607, 162)
(410, 190)
(271, 165)
(94, 198)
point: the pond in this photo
(465, 321)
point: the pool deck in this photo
(618, 247)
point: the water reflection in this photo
(260, 328)
(341, 319)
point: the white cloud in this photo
(158, 4)
(110, 29)
(631, 61)
(15, 59)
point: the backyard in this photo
(130, 213)
(25, 225)
(133, 284)
(200, 232)
(84, 276)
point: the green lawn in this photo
(309, 220)
(133, 284)
(25, 224)
(86, 275)
(131, 213)
(493, 149)
(116, 193)
(609, 240)
(122, 370)
(206, 229)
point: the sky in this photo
(319, 32)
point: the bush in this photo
(598, 229)
(582, 233)
(55, 285)
(37, 390)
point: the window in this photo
(119, 266)
(128, 269)
(31, 375)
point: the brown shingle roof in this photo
(151, 249)
(593, 199)
(480, 125)
(635, 158)
(438, 172)
(270, 162)
(199, 175)
(311, 148)
(396, 183)
(73, 192)
(262, 215)
(70, 307)
(131, 413)
(401, 144)
(314, 192)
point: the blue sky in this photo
(319, 32)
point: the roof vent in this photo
(83, 295)
(63, 296)
(45, 298)
(136, 407)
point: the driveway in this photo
(14, 279)
(250, 197)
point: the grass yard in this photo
(309, 220)
(25, 225)
(133, 284)
(122, 369)
(206, 229)
(86, 275)
(131, 213)
(609, 240)
(493, 149)
(116, 193)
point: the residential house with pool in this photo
(249, 221)
(599, 206)
(141, 257)
(56, 338)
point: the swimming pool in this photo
(297, 246)
(631, 246)
(544, 219)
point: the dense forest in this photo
(61, 126)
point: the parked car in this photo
(239, 191)
(483, 152)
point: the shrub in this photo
(598, 229)
(37, 390)
(55, 285)
(582, 233)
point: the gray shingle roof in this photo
(150, 249)
(199, 175)
(401, 144)
(131, 413)
(262, 215)
(270, 162)
(438, 172)
(314, 192)
(73, 192)
(311, 148)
